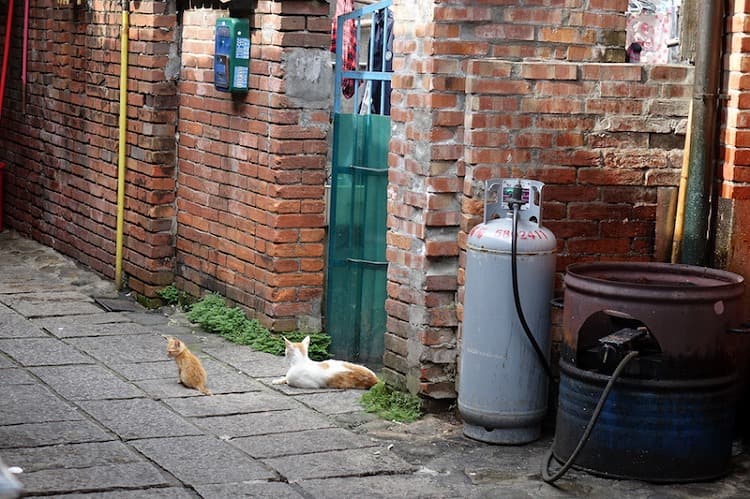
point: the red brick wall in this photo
(511, 114)
(603, 152)
(251, 210)
(732, 234)
(61, 153)
(251, 168)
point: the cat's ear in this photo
(306, 342)
(286, 342)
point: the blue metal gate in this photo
(356, 279)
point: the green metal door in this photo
(356, 250)
(356, 279)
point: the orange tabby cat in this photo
(189, 366)
(306, 373)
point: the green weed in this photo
(213, 315)
(392, 404)
(173, 296)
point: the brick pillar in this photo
(251, 223)
(732, 235)
(149, 244)
(425, 180)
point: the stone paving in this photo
(91, 407)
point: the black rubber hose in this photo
(517, 299)
(589, 427)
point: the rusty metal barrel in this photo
(690, 311)
(671, 416)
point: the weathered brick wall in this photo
(431, 204)
(603, 151)
(251, 210)
(61, 151)
(732, 234)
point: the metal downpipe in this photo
(123, 133)
(703, 123)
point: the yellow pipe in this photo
(123, 124)
(679, 223)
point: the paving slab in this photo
(16, 376)
(13, 325)
(203, 460)
(333, 402)
(256, 364)
(42, 352)
(262, 423)
(6, 362)
(167, 388)
(302, 442)
(96, 478)
(118, 304)
(139, 418)
(101, 317)
(61, 303)
(226, 383)
(249, 489)
(22, 283)
(146, 370)
(232, 403)
(86, 382)
(292, 390)
(147, 317)
(84, 455)
(51, 433)
(412, 486)
(22, 405)
(105, 329)
(352, 462)
(123, 348)
(156, 493)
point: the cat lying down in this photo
(189, 367)
(306, 373)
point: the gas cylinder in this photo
(502, 394)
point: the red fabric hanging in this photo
(349, 47)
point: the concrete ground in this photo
(90, 407)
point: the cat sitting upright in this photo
(304, 372)
(189, 367)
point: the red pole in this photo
(6, 50)
(25, 56)
(2, 165)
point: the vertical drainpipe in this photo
(704, 125)
(123, 126)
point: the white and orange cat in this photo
(189, 367)
(304, 372)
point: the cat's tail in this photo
(204, 390)
(355, 376)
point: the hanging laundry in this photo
(349, 47)
(382, 60)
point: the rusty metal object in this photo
(688, 310)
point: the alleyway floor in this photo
(91, 407)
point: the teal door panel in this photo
(355, 302)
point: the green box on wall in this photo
(232, 54)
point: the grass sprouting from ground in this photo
(392, 404)
(213, 315)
